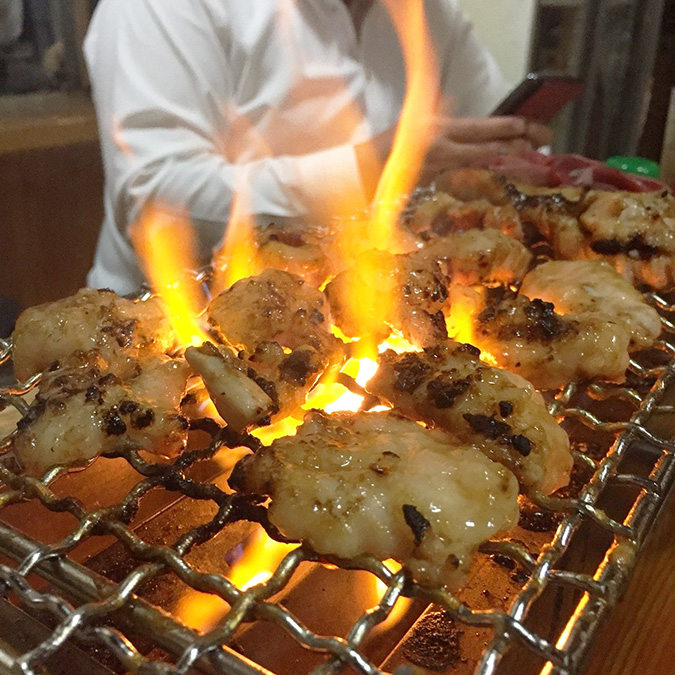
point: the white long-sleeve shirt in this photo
(187, 91)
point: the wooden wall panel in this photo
(51, 209)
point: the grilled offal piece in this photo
(489, 408)
(552, 212)
(529, 338)
(443, 214)
(379, 484)
(293, 248)
(479, 257)
(635, 232)
(594, 287)
(274, 306)
(384, 291)
(121, 330)
(255, 391)
(473, 184)
(83, 409)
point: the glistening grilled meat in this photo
(384, 292)
(84, 409)
(595, 288)
(122, 330)
(295, 249)
(529, 338)
(256, 390)
(489, 408)
(442, 214)
(635, 232)
(479, 257)
(381, 485)
(274, 306)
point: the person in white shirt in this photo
(189, 91)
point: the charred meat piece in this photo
(442, 214)
(295, 249)
(379, 484)
(635, 232)
(122, 330)
(274, 306)
(84, 409)
(489, 408)
(479, 256)
(384, 292)
(529, 338)
(552, 212)
(256, 390)
(595, 288)
(472, 184)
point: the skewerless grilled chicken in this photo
(281, 327)
(256, 390)
(381, 485)
(594, 287)
(529, 338)
(479, 257)
(122, 330)
(84, 409)
(469, 185)
(403, 292)
(635, 232)
(552, 212)
(274, 306)
(489, 408)
(443, 214)
(295, 249)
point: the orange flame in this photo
(260, 559)
(164, 241)
(238, 257)
(368, 300)
(378, 589)
(460, 319)
(413, 137)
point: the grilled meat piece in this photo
(635, 232)
(529, 338)
(472, 184)
(274, 306)
(295, 249)
(84, 409)
(552, 212)
(256, 390)
(487, 407)
(378, 484)
(595, 288)
(384, 292)
(122, 330)
(479, 256)
(442, 214)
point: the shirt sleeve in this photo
(470, 77)
(159, 73)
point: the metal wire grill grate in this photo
(85, 608)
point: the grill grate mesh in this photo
(84, 608)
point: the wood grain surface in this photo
(639, 638)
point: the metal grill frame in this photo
(95, 599)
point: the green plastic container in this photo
(639, 165)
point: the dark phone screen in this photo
(541, 98)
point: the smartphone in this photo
(540, 97)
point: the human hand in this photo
(467, 141)
(458, 142)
